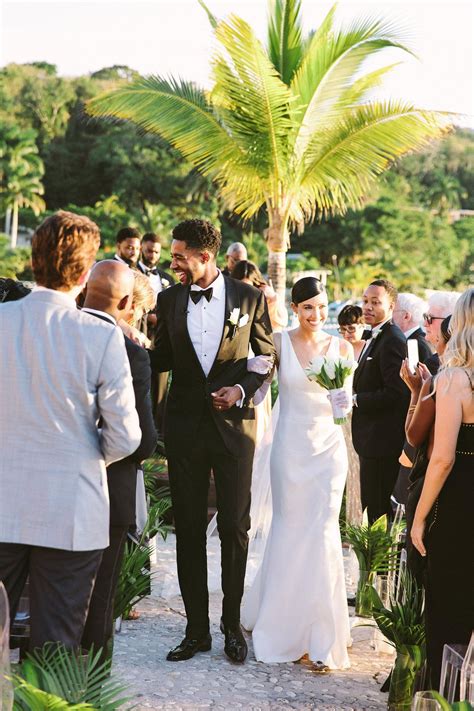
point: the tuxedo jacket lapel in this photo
(369, 352)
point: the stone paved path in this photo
(210, 681)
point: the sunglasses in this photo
(429, 318)
(349, 329)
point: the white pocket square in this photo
(369, 358)
(243, 320)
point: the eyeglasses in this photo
(429, 318)
(349, 329)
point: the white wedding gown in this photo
(297, 602)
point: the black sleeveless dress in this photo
(449, 611)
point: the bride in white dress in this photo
(297, 602)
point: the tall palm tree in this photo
(287, 127)
(21, 171)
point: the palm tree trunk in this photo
(14, 232)
(8, 220)
(277, 242)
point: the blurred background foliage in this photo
(408, 230)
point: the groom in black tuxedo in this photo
(205, 327)
(380, 401)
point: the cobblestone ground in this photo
(209, 680)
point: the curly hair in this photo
(199, 234)
(64, 246)
(127, 233)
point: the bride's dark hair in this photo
(306, 288)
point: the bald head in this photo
(110, 288)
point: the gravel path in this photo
(209, 680)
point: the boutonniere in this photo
(165, 283)
(236, 321)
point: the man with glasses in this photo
(440, 305)
(236, 252)
(407, 315)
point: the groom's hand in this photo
(225, 398)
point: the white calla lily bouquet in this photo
(332, 374)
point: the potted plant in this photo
(403, 626)
(376, 551)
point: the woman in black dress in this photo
(442, 529)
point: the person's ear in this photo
(294, 308)
(205, 257)
(82, 281)
(124, 303)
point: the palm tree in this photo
(21, 170)
(287, 127)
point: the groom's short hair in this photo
(390, 288)
(64, 246)
(199, 234)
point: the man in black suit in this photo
(106, 298)
(380, 401)
(159, 280)
(128, 246)
(206, 325)
(408, 315)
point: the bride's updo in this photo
(306, 288)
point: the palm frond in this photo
(285, 40)
(323, 83)
(256, 111)
(340, 165)
(177, 111)
(373, 544)
(79, 680)
(212, 19)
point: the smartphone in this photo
(413, 355)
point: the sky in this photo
(173, 37)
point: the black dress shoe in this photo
(188, 648)
(235, 645)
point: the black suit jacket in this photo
(122, 475)
(424, 349)
(378, 421)
(189, 397)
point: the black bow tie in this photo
(367, 334)
(197, 295)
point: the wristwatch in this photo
(354, 400)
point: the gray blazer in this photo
(60, 371)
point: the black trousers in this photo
(159, 392)
(377, 480)
(60, 588)
(189, 482)
(99, 627)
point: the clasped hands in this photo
(226, 397)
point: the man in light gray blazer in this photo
(68, 410)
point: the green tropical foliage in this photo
(373, 544)
(21, 170)
(287, 127)
(56, 678)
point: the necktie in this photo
(197, 295)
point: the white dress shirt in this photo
(206, 321)
(155, 279)
(410, 332)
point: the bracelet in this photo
(411, 409)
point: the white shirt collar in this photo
(410, 331)
(379, 327)
(104, 314)
(218, 286)
(67, 297)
